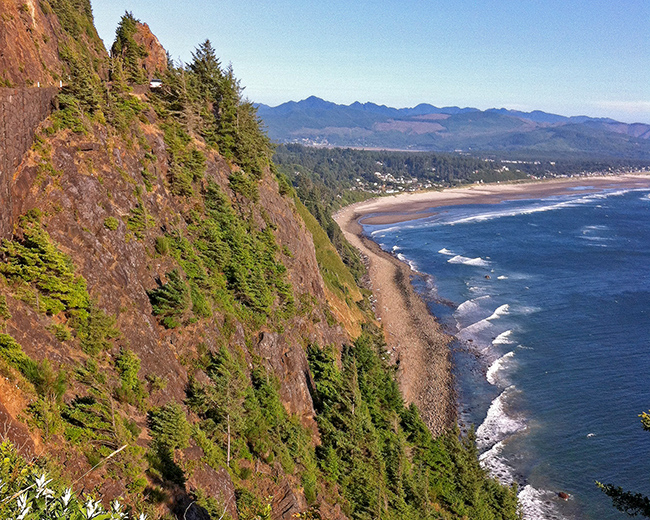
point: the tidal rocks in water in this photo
(563, 495)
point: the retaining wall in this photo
(21, 111)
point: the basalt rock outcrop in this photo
(155, 61)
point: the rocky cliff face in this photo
(103, 199)
(28, 44)
(38, 38)
(155, 61)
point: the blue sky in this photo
(570, 57)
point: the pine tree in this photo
(207, 69)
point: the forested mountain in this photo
(425, 127)
(176, 330)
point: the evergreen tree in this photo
(207, 69)
(128, 50)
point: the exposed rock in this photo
(216, 484)
(156, 60)
(31, 38)
(23, 61)
(286, 503)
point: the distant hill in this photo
(314, 121)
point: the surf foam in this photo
(498, 425)
(499, 365)
(503, 338)
(477, 262)
(500, 311)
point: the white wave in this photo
(471, 331)
(471, 310)
(537, 504)
(526, 309)
(502, 277)
(496, 465)
(445, 251)
(500, 311)
(503, 338)
(550, 204)
(497, 366)
(596, 238)
(396, 248)
(498, 425)
(469, 306)
(458, 259)
(411, 263)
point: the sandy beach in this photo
(412, 333)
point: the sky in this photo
(569, 57)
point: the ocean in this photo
(549, 300)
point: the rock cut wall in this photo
(21, 111)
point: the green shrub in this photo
(12, 353)
(111, 223)
(5, 315)
(131, 389)
(162, 245)
(60, 331)
(139, 221)
(169, 426)
(170, 301)
(95, 329)
(35, 260)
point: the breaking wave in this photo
(503, 338)
(498, 366)
(498, 424)
(500, 311)
(478, 262)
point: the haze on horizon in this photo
(571, 57)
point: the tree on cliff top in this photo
(127, 49)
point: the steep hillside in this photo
(166, 335)
(47, 42)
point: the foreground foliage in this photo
(26, 493)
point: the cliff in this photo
(169, 327)
(105, 203)
(40, 41)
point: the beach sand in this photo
(412, 333)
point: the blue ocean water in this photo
(550, 302)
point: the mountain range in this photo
(314, 121)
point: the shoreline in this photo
(410, 206)
(412, 332)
